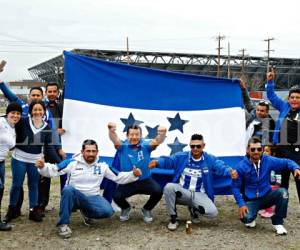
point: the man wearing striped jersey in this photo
(82, 190)
(192, 184)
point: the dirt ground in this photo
(224, 232)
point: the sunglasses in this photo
(256, 149)
(196, 146)
(264, 103)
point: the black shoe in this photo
(17, 212)
(11, 214)
(4, 226)
(86, 220)
(41, 210)
(35, 215)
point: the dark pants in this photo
(45, 183)
(44, 189)
(290, 153)
(278, 197)
(147, 186)
(2, 178)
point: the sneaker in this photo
(194, 215)
(4, 226)
(147, 216)
(280, 230)
(64, 231)
(251, 224)
(125, 214)
(86, 220)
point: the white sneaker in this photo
(251, 224)
(147, 216)
(280, 230)
(125, 214)
(64, 231)
(172, 226)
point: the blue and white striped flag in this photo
(98, 92)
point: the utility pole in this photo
(218, 39)
(243, 60)
(269, 50)
(127, 50)
(228, 64)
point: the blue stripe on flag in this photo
(120, 85)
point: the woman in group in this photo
(7, 142)
(33, 134)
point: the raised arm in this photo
(274, 99)
(246, 98)
(11, 96)
(160, 137)
(113, 135)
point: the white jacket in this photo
(85, 177)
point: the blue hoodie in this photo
(257, 185)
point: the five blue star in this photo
(130, 121)
(176, 123)
(176, 146)
(152, 132)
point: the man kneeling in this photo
(82, 191)
(252, 189)
(192, 184)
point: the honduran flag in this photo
(98, 92)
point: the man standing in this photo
(192, 184)
(254, 179)
(287, 131)
(55, 106)
(258, 120)
(84, 176)
(135, 153)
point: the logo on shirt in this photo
(97, 170)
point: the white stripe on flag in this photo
(223, 129)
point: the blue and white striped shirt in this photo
(191, 177)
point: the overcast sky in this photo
(32, 31)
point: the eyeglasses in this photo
(196, 146)
(256, 149)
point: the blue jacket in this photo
(256, 186)
(213, 166)
(282, 106)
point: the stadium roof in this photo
(252, 68)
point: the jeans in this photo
(19, 169)
(2, 174)
(2, 178)
(95, 207)
(146, 186)
(278, 197)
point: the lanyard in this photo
(257, 168)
